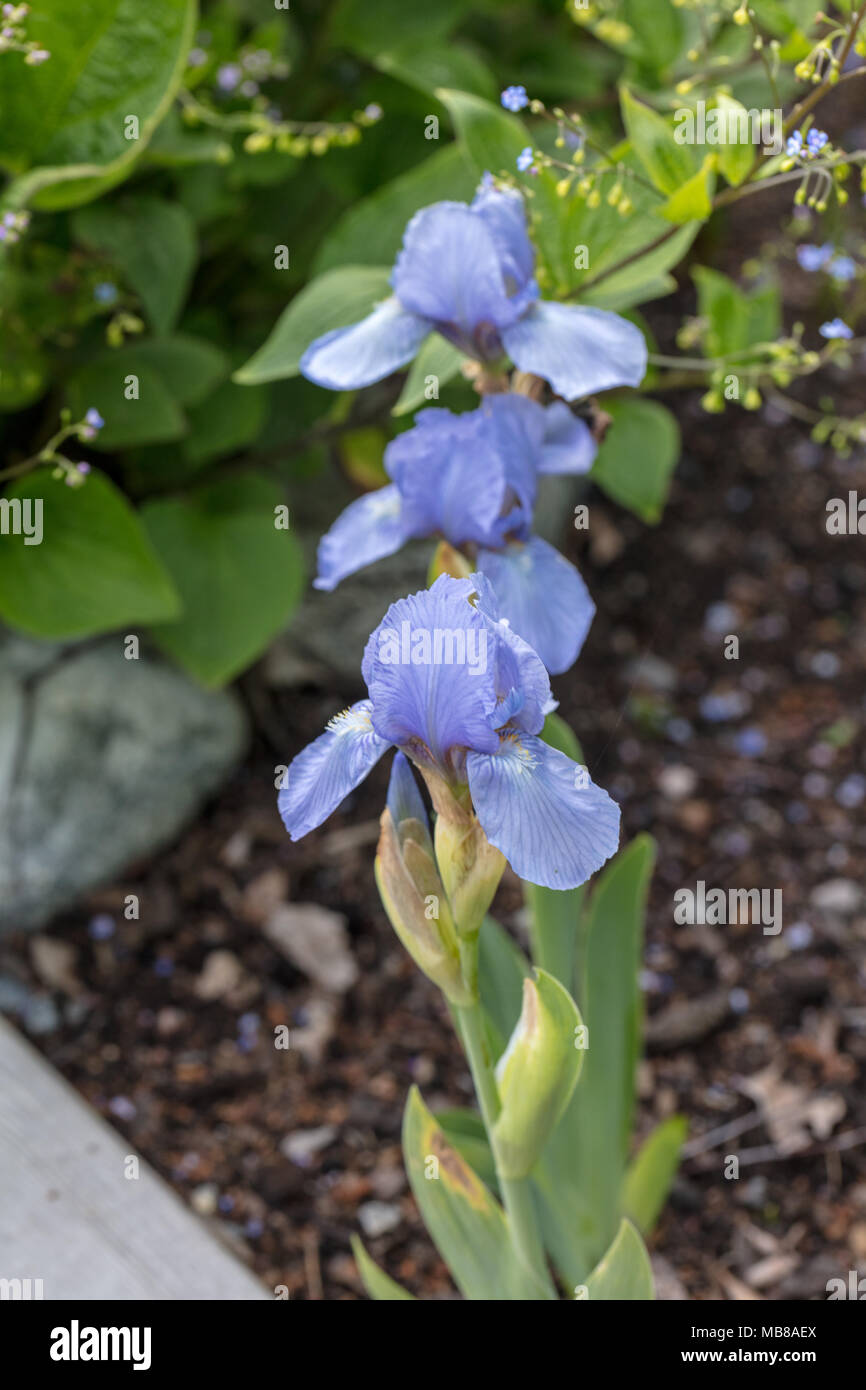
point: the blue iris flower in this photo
(472, 479)
(466, 271)
(457, 691)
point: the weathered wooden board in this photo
(71, 1217)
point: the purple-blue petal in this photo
(404, 797)
(552, 823)
(543, 597)
(370, 528)
(568, 445)
(322, 776)
(504, 214)
(522, 682)
(348, 358)
(448, 271)
(579, 350)
(450, 478)
(429, 668)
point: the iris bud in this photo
(470, 866)
(411, 890)
(537, 1073)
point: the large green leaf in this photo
(371, 232)
(238, 575)
(667, 163)
(227, 421)
(624, 1273)
(466, 1223)
(735, 320)
(491, 137)
(370, 29)
(172, 374)
(652, 1171)
(581, 1173)
(735, 157)
(638, 455)
(693, 200)
(428, 66)
(67, 119)
(436, 363)
(569, 232)
(658, 30)
(152, 242)
(150, 416)
(379, 1285)
(464, 1129)
(334, 300)
(94, 570)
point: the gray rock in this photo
(102, 761)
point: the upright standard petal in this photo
(322, 776)
(429, 668)
(370, 528)
(503, 212)
(448, 272)
(578, 350)
(541, 810)
(568, 445)
(449, 477)
(522, 683)
(543, 597)
(348, 358)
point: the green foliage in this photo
(152, 243)
(66, 120)
(668, 163)
(735, 320)
(94, 568)
(623, 1274)
(579, 1179)
(333, 300)
(652, 1171)
(379, 1285)
(638, 455)
(466, 1223)
(239, 577)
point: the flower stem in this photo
(516, 1194)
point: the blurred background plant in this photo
(175, 182)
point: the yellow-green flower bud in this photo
(470, 867)
(537, 1074)
(417, 905)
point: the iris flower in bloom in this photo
(470, 726)
(466, 271)
(472, 479)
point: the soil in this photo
(749, 772)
